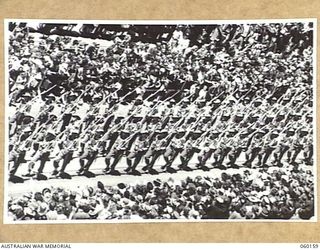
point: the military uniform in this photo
(236, 146)
(91, 149)
(253, 150)
(46, 146)
(118, 149)
(269, 145)
(156, 150)
(207, 147)
(223, 148)
(172, 151)
(18, 152)
(187, 153)
(153, 145)
(307, 144)
(67, 147)
(139, 148)
(295, 148)
(284, 142)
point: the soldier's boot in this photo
(188, 160)
(232, 161)
(166, 159)
(40, 175)
(184, 163)
(203, 165)
(168, 167)
(62, 173)
(129, 163)
(221, 160)
(66, 160)
(215, 157)
(113, 170)
(289, 154)
(15, 167)
(265, 159)
(236, 158)
(146, 167)
(107, 168)
(307, 158)
(280, 158)
(30, 170)
(200, 161)
(86, 172)
(259, 160)
(150, 166)
(308, 162)
(275, 159)
(135, 164)
(15, 179)
(248, 162)
(294, 157)
(171, 170)
(80, 171)
(56, 167)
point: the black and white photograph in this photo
(160, 121)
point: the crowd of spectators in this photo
(257, 57)
(281, 194)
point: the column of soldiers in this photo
(265, 131)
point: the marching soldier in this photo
(67, 146)
(255, 145)
(119, 148)
(296, 145)
(188, 151)
(18, 153)
(42, 154)
(136, 152)
(269, 145)
(153, 152)
(91, 148)
(222, 149)
(235, 150)
(173, 149)
(206, 148)
(156, 149)
(285, 140)
(307, 147)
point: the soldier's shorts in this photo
(206, 151)
(159, 151)
(168, 152)
(234, 152)
(62, 154)
(267, 149)
(295, 147)
(280, 149)
(308, 148)
(13, 156)
(39, 155)
(132, 154)
(149, 153)
(254, 150)
(84, 155)
(114, 153)
(187, 152)
(220, 151)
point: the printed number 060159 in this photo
(305, 246)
